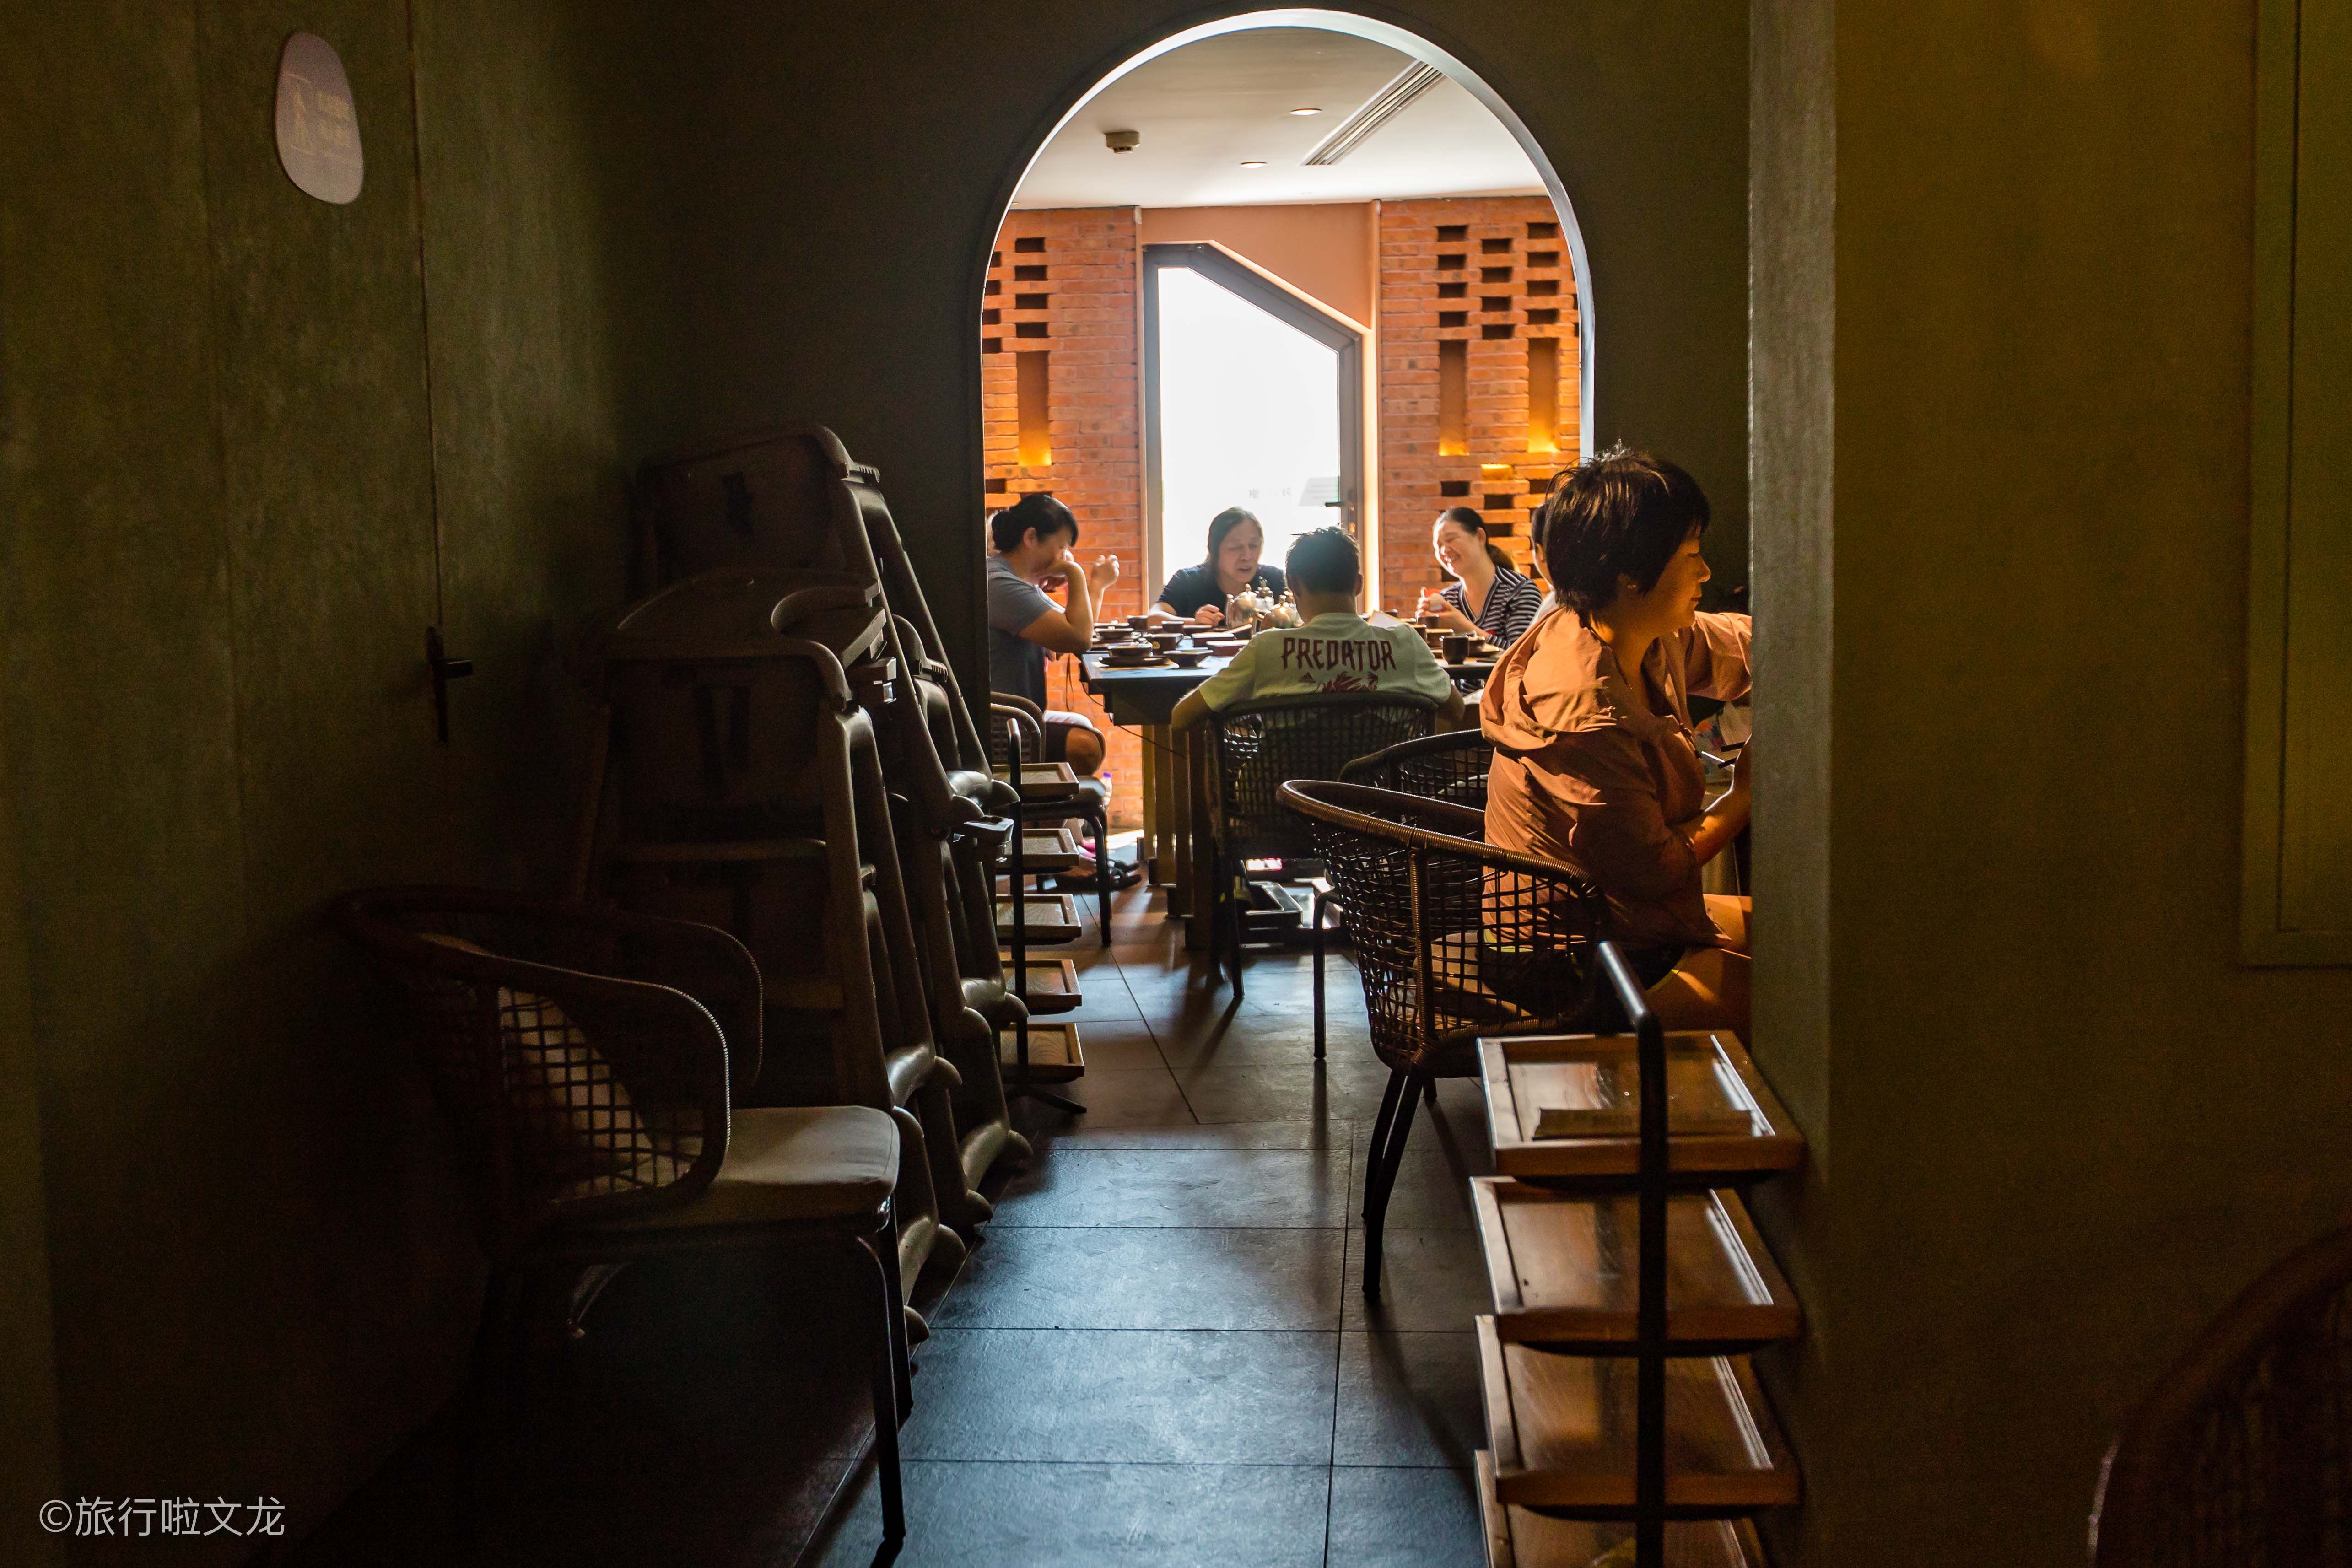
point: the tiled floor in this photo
(1158, 1353)
(1161, 1353)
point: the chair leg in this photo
(1315, 923)
(1379, 1138)
(489, 1376)
(1101, 822)
(1380, 1174)
(1237, 902)
(885, 1394)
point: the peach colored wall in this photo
(1322, 248)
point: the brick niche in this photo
(1063, 283)
(1487, 274)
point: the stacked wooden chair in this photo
(744, 790)
(785, 515)
(1628, 1287)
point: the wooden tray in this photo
(1044, 780)
(1518, 1539)
(1561, 1431)
(1052, 985)
(1048, 849)
(1562, 1268)
(1050, 917)
(1707, 1072)
(1055, 1056)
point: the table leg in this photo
(1199, 905)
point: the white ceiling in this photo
(1203, 108)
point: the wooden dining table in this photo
(1176, 830)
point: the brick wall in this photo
(1062, 283)
(1443, 263)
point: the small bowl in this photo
(1139, 622)
(1167, 641)
(1188, 658)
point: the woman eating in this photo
(1588, 712)
(1200, 593)
(1486, 597)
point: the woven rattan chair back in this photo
(1451, 767)
(2243, 1455)
(1260, 746)
(582, 1078)
(1454, 937)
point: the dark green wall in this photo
(2055, 1126)
(842, 168)
(220, 460)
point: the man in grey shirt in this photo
(1031, 543)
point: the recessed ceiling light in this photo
(1303, 113)
(1253, 162)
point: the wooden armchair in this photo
(587, 1060)
(1454, 939)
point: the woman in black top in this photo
(1488, 597)
(1199, 594)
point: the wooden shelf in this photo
(1563, 1269)
(1707, 1072)
(1055, 1055)
(1044, 780)
(1050, 918)
(1047, 849)
(1518, 1539)
(1052, 985)
(1561, 1430)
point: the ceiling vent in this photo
(1378, 111)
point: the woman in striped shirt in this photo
(1486, 597)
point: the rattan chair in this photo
(1255, 748)
(2243, 1455)
(1454, 939)
(588, 1061)
(1450, 767)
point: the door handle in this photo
(444, 669)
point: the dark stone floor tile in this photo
(1295, 1134)
(1433, 1181)
(1346, 1090)
(1186, 1187)
(1113, 1096)
(1123, 1397)
(1150, 1280)
(1405, 1519)
(1114, 1045)
(966, 1515)
(1408, 1399)
(1430, 1280)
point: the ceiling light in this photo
(1303, 113)
(1253, 162)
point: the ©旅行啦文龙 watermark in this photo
(162, 1516)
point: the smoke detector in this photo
(1122, 141)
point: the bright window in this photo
(1249, 416)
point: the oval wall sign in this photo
(318, 127)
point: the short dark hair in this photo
(1467, 519)
(1226, 522)
(1323, 561)
(1037, 510)
(1619, 514)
